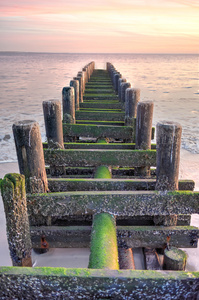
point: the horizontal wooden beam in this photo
(97, 157)
(120, 203)
(93, 184)
(108, 105)
(127, 236)
(112, 123)
(99, 115)
(95, 131)
(47, 283)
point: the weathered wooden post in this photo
(80, 88)
(132, 98)
(54, 131)
(126, 260)
(143, 131)
(75, 85)
(117, 76)
(81, 74)
(120, 81)
(30, 155)
(174, 259)
(53, 123)
(68, 101)
(17, 223)
(168, 155)
(124, 86)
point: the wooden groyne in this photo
(98, 182)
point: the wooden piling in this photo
(132, 98)
(168, 155)
(30, 155)
(80, 88)
(124, 86)
(53, 124)
(143, 131)
(75, 85)
(68, 101)
(174, 259)
(17, 223)
(117, 76)
(120, 81)
(126, 260)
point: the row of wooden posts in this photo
(131, 147)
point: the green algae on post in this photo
(104, 251)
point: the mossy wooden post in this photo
(124, 86)
(143, 132)
(81, 75)
(53, 124)
(120, 81)
(167, 163)
(117, 76)
(174, 259)
(168, 155)
(104, 251)
(86, 74)
(17, 223)
(54, 131)
(126, 260)
(80, 88)
(68, 101)
(30, 155)
(75, 85)
(132, 98)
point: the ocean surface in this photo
(27, 79)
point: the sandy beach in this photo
(68, 258)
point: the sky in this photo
(99, 26)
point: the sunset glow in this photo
(100, 26)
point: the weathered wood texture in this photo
(130, 158)
(91, 184)
(95, 131)
(117, 203)
(95, 284)
(127, 236)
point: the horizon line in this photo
(137, 53)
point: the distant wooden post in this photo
(53, 123)
(143, 131)
(120, 81)
(80, 88)
(30, 155)
(117, 76)
(68, 100)
(132, 98)
(17, 223)
(81, 74)
(124, 86)
(54, 131)
(75, 85)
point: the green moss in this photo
(104, 252)
(102, 172)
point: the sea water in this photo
(171, 81)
